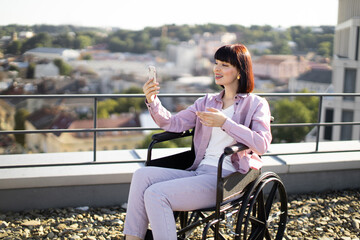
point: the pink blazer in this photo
(250, 125)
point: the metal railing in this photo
(95, 129)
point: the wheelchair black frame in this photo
(251, 191)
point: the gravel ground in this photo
(331, 215)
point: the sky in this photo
(137, 14)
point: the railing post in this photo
(319, 121)
(95, 125)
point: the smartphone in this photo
(152, 73)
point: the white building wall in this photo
(184, 55)
(46, 70)
(345, 56)
(70, 54)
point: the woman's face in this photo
(225, 74)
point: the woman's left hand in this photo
(212, 118)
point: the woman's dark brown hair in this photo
(238, 56)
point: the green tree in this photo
(280, 44)
(63, 41)
(117, 45)
(139, 42)
(82, 41)
(20, 117)
(133, 46)
(121, 105)
(30, 73)
(106, 108)
(14, 47)
(280, 47)
(311, 103)
(142, 41)
(162, 43)
(39, 40)
(184, 33)
(137, 104)
(102, 113)
(87, 57)
(235, 28)
(324, 49)
(287, 111)
(64, 68)
(14, 68)
(130, 104)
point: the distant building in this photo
(7, 116)
(7, 122)
(317, 79)
(201, 81)
(26, 34)
(279, 67)
(14, 36)
(110, 140)
(4, 39)
(260, 47)
(45, 118)
(191, 84)
(346, 75)
(53, 53)
(183, 55)
(209, 43)
(187, 56)
(46, 70)
(21, 66)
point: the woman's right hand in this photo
(150, 89)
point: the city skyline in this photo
(136, 15)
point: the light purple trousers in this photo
(156, 192)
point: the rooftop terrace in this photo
(102, 178)
(329, 215)
(56, 181)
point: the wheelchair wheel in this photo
(184, 219)
(263, 214)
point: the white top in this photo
(218, 141)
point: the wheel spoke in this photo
(267, 234)
(261, 207)
(271, 198)
(256, 221)
(266, 215)
(256, 233)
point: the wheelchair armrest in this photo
(165, 136)
(174, 162)
(237, 147)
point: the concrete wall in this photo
(65, 196)
(106, 183)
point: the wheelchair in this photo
(248, 206)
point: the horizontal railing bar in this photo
(154, 129)
(80, 130)
(309, 94)
(174, 95)
(125, 95)
(313, 124)
(143, 161)
(309, 152)
(90, 162)
(104, 96)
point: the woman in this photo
(233, 115)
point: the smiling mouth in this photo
(218, 76)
